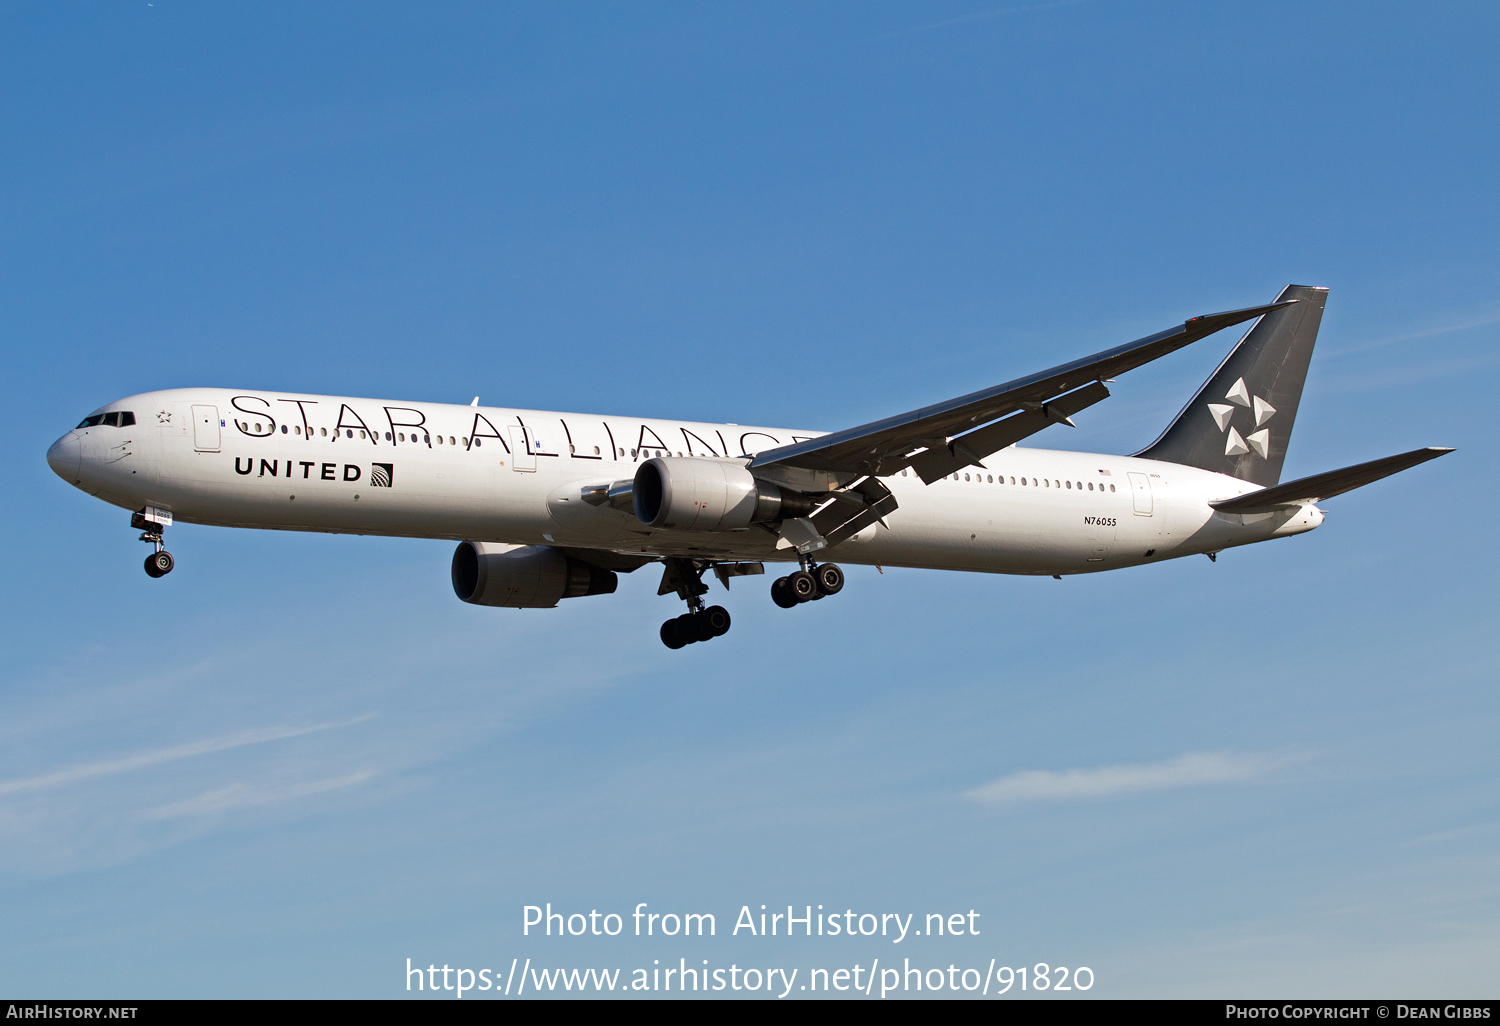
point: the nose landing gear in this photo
(160, 562)
(807, 585)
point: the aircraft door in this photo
(1103, 539)
(522, 459)
(206, 428)
(1140, 492)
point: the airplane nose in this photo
(64, 457)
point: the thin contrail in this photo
(130, 762)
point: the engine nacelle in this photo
(690, 494)
(524, 576)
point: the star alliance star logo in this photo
(163, 417)
(1260, 441)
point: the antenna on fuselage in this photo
(475, 402)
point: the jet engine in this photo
(690, 494)
(524, 576)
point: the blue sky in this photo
(299, 761)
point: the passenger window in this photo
(400, 436)
(465, 440)
(1023, 480)
(297, 430)
(1070, 486)
(323, 432)
(450, 440)
(1111, 487)
(112, 419)
(966, 477)
(387, 436)
(990, 479)
(1046, 483)
(596, 450)
(477, 442)
(622, 454)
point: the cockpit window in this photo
(119, 418)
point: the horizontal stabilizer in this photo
(1326, 486)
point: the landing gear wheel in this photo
(781, 593)
(159, 564)
(691, 628)
(669, 635)
(801, 586)
(717, 619)
(830, 579)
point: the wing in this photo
(936, 440)
(1325, 486)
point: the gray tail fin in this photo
(1240, 421)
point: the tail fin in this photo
(1240, 421)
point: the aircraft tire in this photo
(781, 594)
(830, 579)
(669, 635)
(717, 619)
(159, 564)
(690, 628)
(801, 586)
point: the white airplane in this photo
(548, 506)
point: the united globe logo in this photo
(381, 474)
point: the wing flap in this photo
(966, 450)
(1327, 485)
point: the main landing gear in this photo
(702, 625)
(809, 584)
(685, 576)
(160, 562)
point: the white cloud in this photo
(131, 762)
(1130, 778)
(238, 796)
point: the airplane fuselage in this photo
(335, 464)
